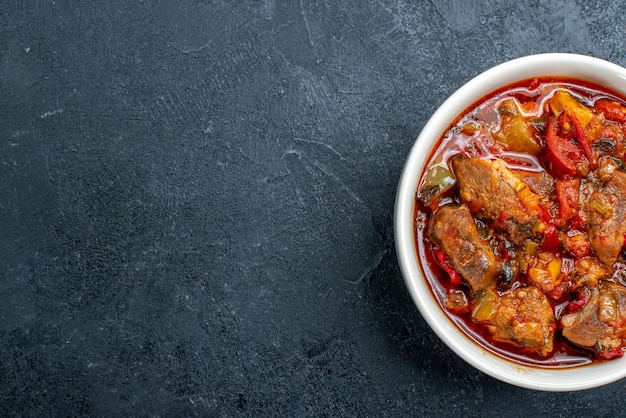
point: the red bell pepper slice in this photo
(441, 257)
(562, 155)
(551, 242)
(544, 215)
(583, 140)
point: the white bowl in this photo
(549, 379)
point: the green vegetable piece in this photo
(484, 306)
(438, 179)
(515, 133)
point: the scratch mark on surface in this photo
(399, 20)
(367, 273)
(52, 113)
(325, 145)
(192, 50)
(340, 91)
(317, 164)
(339, 181)
(286, 154)
(306, 22)
(48, 167)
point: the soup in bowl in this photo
(510, 222)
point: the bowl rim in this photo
(576, 66)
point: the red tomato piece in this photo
(562, 155)
(612, 110)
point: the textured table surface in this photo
(196, 203)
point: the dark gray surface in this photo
(196, 203)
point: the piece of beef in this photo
(495, 194)
(456, 301)
(525, 318)
(453, 229)
(601, 323)
(588, 272)
(603, 203)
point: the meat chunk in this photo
(603, 203)
(453, 229)
(588, 271)
(493, 193)
(456, 301)
(522, 317)
(546, 273)
(601, 323)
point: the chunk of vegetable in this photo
(515, 134)
(563, 101)
(564, 158)
(583, 140)
(554, 268)
(551, 242)
(485, 305)
(438, 180)
(611, 109)
(441, 257)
